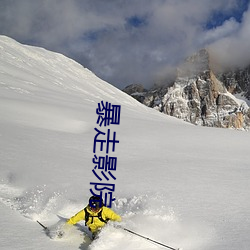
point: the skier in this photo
(95, 214)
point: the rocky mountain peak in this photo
(200, 96)
(196, 64)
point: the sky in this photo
(132, 41)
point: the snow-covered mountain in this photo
(237, 81)
(183, 185)
(201, 96)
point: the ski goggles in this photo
(94, 205)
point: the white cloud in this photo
(228, 28)
(97, 32)
(233, 50)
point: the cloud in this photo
(129, 41)
(228, 28)
(233, 49)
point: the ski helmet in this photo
(95, 202)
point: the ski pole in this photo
(45, 228)
(150, 239)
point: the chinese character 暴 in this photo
(107, 114)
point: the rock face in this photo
(237, 81)
(201, 97)
(137, 91)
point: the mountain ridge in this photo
(200, 95)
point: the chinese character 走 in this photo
(108, 141)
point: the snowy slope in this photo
(182, 185)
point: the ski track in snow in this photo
(143, 214)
